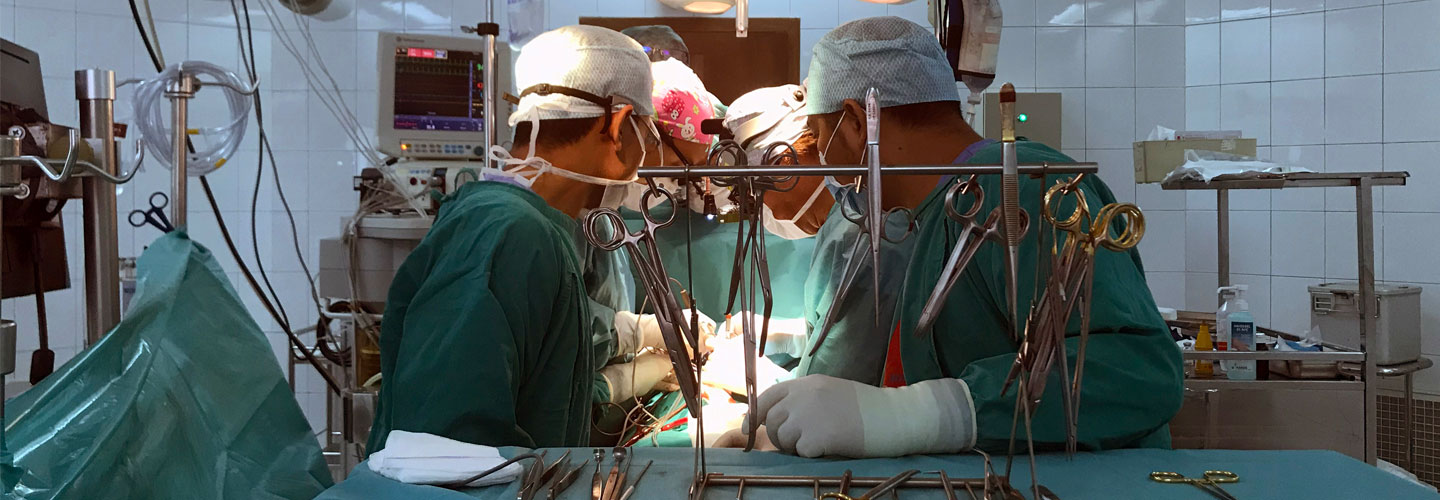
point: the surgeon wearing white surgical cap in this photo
(498, 325)
(760, 120)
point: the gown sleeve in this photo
(484, 339)
(1133, 377)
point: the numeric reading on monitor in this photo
(439, 89)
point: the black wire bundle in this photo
(270, 301)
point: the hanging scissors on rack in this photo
(155, 215)
(605, 228)
(1070, 286)
(973, 233)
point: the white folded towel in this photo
(418, 458)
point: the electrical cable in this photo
(230, 243)
(139, 26)
(294, 339)
(283, 317)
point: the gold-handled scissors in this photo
(1070, 286)
(1210, 481)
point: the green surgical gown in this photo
(609, 288)
(486, 337)
(712, 251)
(855, 347)
(1132, 384)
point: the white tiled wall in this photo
(1333, 85)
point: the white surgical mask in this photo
(787, 228)
(831, 140)
(526, 171)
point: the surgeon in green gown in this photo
(488, 335)
(952, 398)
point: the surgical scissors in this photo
(155, 215)
(972, 235)
(680, 340)
(1071, 285)
(1210, 481)
(858, 216)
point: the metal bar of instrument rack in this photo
(1031, 169)
(1364, 184)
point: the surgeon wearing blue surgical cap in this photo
(882, 392)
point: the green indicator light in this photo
(1023, 118)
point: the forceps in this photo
(972, 235)
(1210, 481)
(668, 316)
(852, 269)
(749, 193)
(155, 215)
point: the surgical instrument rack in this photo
(1028, 169)
(998, 484)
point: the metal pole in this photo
(1222, 236)
(1410, 421)
(179, 92)
(1365, 239)
(491, 106)
(1033, 169)
(95, 89)
(9, 176)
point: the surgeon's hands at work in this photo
(651, 369)
(638, 331)
(819, 415)
(785, 336)
(636, 378)
(726, 367)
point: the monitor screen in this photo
(439, 89)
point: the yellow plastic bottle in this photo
(1204, 367)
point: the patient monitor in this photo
(431, 96)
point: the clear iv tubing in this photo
(151, 110)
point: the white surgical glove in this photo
(819, 415)
(636, 378)
(638, 331)
(786, 336)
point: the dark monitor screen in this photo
(439, 89)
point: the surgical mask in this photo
(787, 228)
(831, 140)
(526, 171)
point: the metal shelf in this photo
(1295, 180)
(1358, 357)
(1202, 384)
(1364, 184)
(1399, 370)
